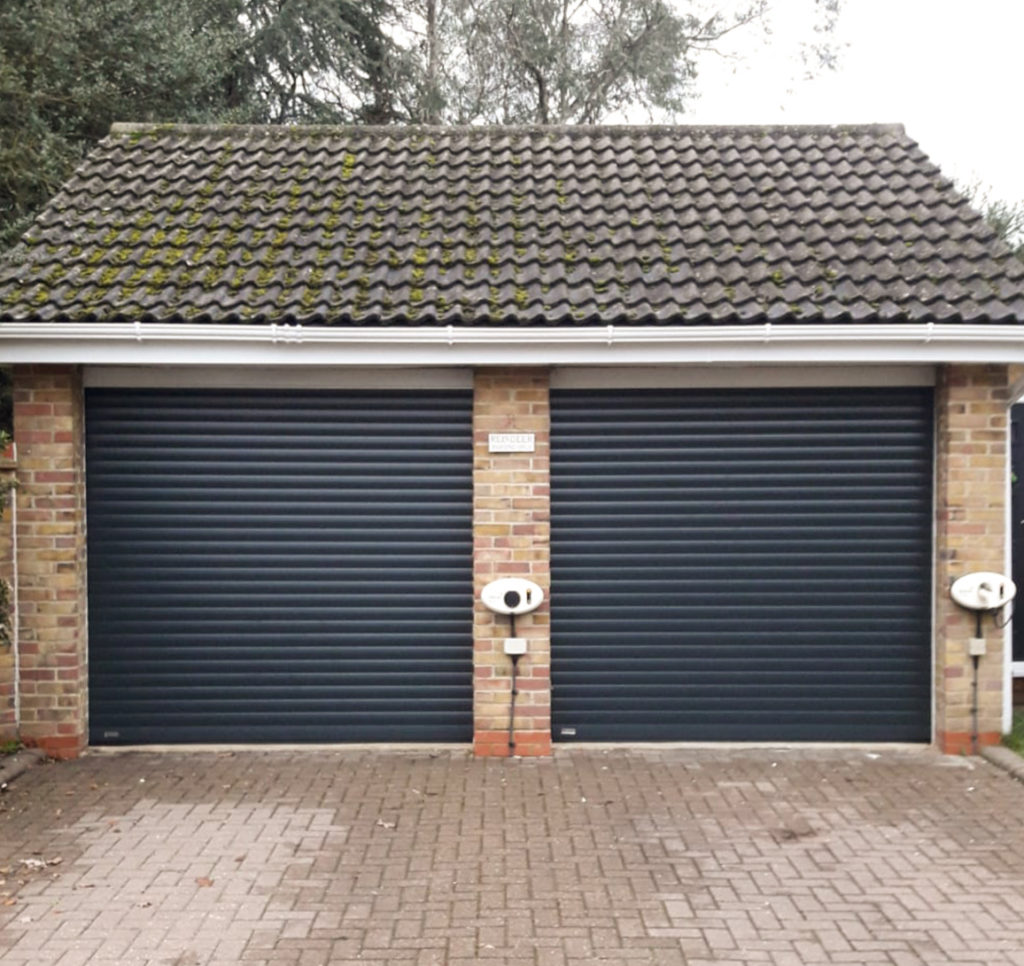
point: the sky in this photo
(950, 71)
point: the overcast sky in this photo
(951, 71)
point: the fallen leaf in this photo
(203, 882)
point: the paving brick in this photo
(691, 856)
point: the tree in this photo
(316, 61)
(564, 61)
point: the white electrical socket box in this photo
(983, 590)
(976, 646)
(512, 595)
(514, 646)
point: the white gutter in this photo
(143, 342)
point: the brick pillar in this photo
(971, 508)
(8, 699)
(48, 432)
(511, 537)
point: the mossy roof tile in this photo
(571, 226)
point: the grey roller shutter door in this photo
(741, 565)
(279, 566)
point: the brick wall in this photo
(8, 700)
(48, 431)
(511, 537)
(971, 492)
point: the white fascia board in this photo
(286, 345)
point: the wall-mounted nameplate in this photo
(510, 442)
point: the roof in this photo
(558, 226)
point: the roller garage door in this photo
(279, 566)
(741, 565)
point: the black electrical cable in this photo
(512, 701)
(512, 706)
(974, 706)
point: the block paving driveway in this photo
(668, 856)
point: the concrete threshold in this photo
(873, 746)
(256, 747)
(574, 746)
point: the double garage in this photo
(276, 565)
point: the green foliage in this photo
(1006, 218)
(1008, 221)
(1015, 739)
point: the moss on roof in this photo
(572, 226)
